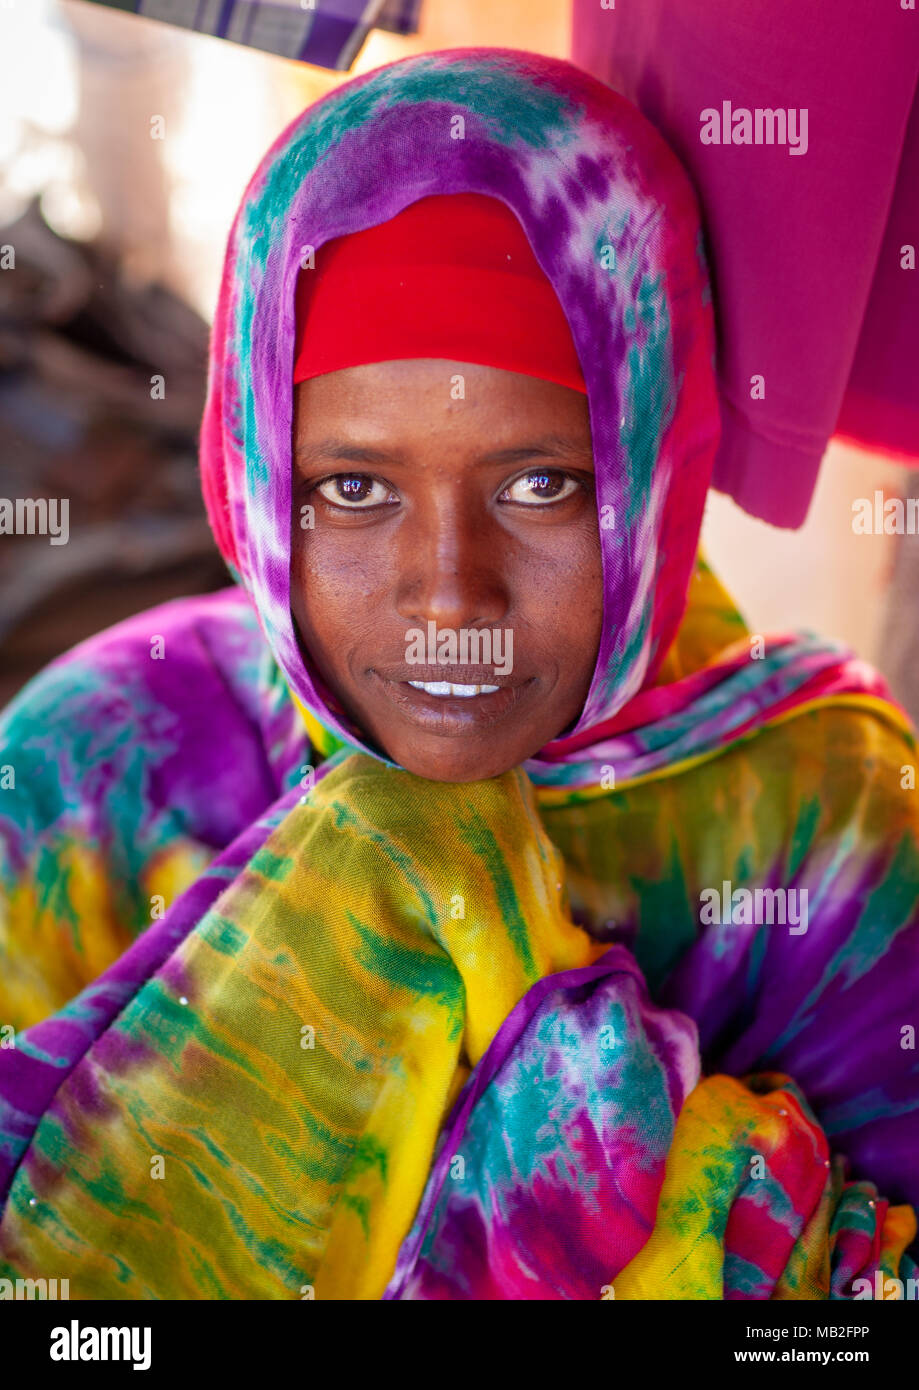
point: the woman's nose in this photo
(450, 571)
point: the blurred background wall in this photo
(79, 85)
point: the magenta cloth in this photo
(805, 249)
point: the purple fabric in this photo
(589, 997)
(805, 248)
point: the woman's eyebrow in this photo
(550, 445)
(342, 449)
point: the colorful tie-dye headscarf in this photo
(614, 224)
(385, 1036)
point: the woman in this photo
(358, 960)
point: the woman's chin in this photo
(455, 763)
(457, 769)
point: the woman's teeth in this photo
(445, 689)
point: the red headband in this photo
(451, 276)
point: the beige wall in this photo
(823, 577)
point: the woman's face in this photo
(426, 526)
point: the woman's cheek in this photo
(340, 595)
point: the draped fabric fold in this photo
(826, 321)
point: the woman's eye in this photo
(354, 491)
(542, 485)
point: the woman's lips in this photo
(451, 714)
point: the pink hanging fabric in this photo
(813, 287)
